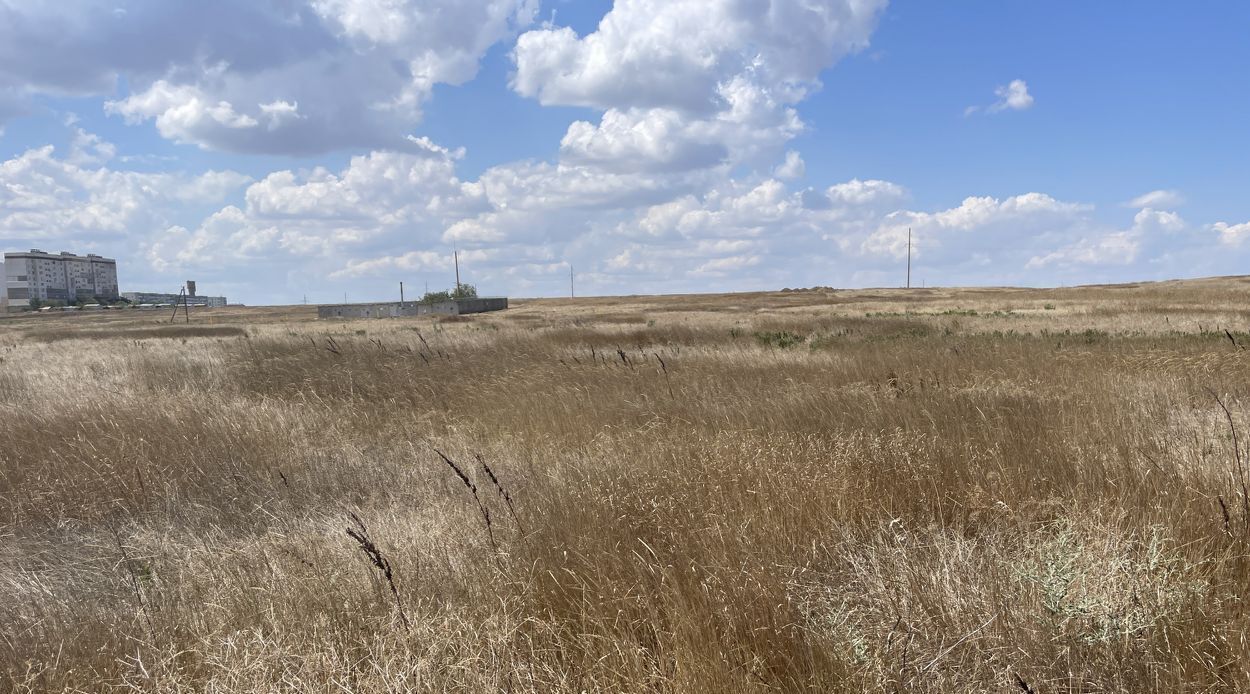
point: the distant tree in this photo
(435, 297)
(464, 291)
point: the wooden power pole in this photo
(186, 309)
(909, 257)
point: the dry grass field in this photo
(928, 490)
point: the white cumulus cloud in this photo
(1157, 199)
(1232, 234)
(1013, 96)
(793, 167)
(687, 84)
(44, 197)
(259, 76)
(1114, 247)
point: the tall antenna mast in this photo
(456, 255)
(909, 257)
(571, 294)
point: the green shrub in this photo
(463, 291)
(779, 338)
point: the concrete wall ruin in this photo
(396, 309)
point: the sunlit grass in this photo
(1002, 490)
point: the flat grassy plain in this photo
(878, 490)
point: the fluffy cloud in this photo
(666, 140)
(687, 84)
(178, 248)
(1232, 234)
(88, 148)
(300, 78)
(1013, 96)
(793, 167)
(180, 111)
(965, 233)
(655, 139)
(390, 188)
(362, 221)
(743, 234)
(1115, 247)
(676, 53)
(376, 193)
(857, 192)
(46, 198)
(1157, 199)
(543, 187)
(412, 261)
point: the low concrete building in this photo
(396, 309)
(161, 298)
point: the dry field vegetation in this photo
(935, 490)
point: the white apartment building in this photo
(57, 277)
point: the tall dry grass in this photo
(824, 491)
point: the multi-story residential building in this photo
(158, 298)
(59, 277)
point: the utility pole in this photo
(909, 257)
(186, 310)
(571, 294)
(344, 297)
(401, 293)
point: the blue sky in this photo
(273, 149)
